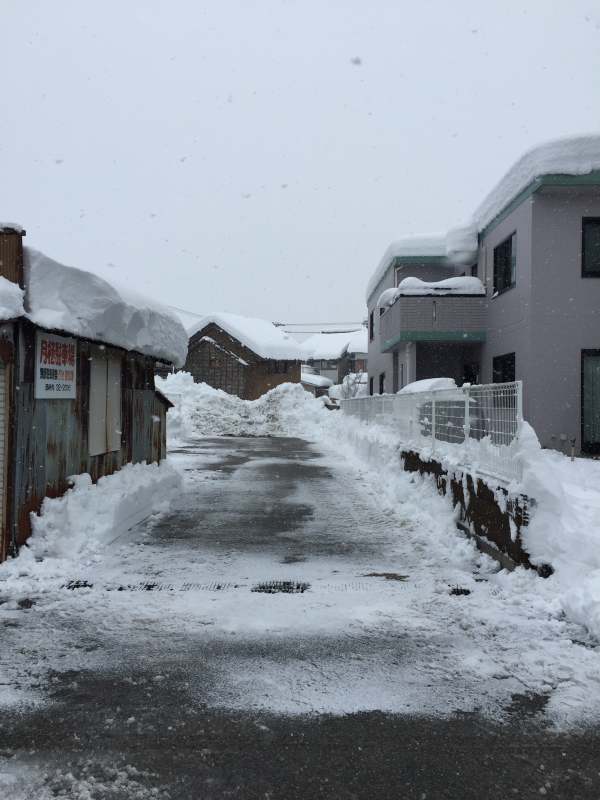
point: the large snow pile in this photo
(89, 516)
(200, 410)
(259, 335)
(78, 302)
(564, 528)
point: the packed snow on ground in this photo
(259, 335)
(356, 640)
(69, 299)
(565, 523)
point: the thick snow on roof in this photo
(78, 302)
(334, 345)
(462, 285)
(577, 155)
(411, 246)
(258, 335)
(11, 300)
(12, 226)
(311, 379)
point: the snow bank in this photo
(89, 516)
(461, 285)
(11, 300)
(564, 528)
(258, 335)
(200, 410)
(68, 299)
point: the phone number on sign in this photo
(58, 387)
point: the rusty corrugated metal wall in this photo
(51, 436)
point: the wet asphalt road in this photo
(172, 748)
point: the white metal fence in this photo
(472, 426)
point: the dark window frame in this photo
(371, 326)
(382, 383)
(371, 386)
(512, 240)
(587, 273)
(496, 370)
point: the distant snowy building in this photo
(513, 295)
(336, 354)
(77, 394)
(241, 355)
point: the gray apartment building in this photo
(534, 313)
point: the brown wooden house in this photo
(242, 356)
(77, 387)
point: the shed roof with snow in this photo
(260, 336)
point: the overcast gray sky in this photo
(258, 156)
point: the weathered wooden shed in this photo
(242, 356)
(77, 387)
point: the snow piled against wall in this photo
(68, 299)
(78, 525)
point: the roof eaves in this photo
(554, 179)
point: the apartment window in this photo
(382, 383)
(371, 386)
(104, 434)
(474, 271)
(503, 368)
(371, 327)
(590, 247)
(505, 265)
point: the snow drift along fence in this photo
(475, 427)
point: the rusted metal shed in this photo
(69, 404)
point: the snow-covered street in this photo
(157, 664)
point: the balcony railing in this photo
(441, 318)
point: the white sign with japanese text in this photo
(55, 367)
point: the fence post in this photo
(467, 425)
(433, 424)
(519, 407)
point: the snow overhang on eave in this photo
(550, 180)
